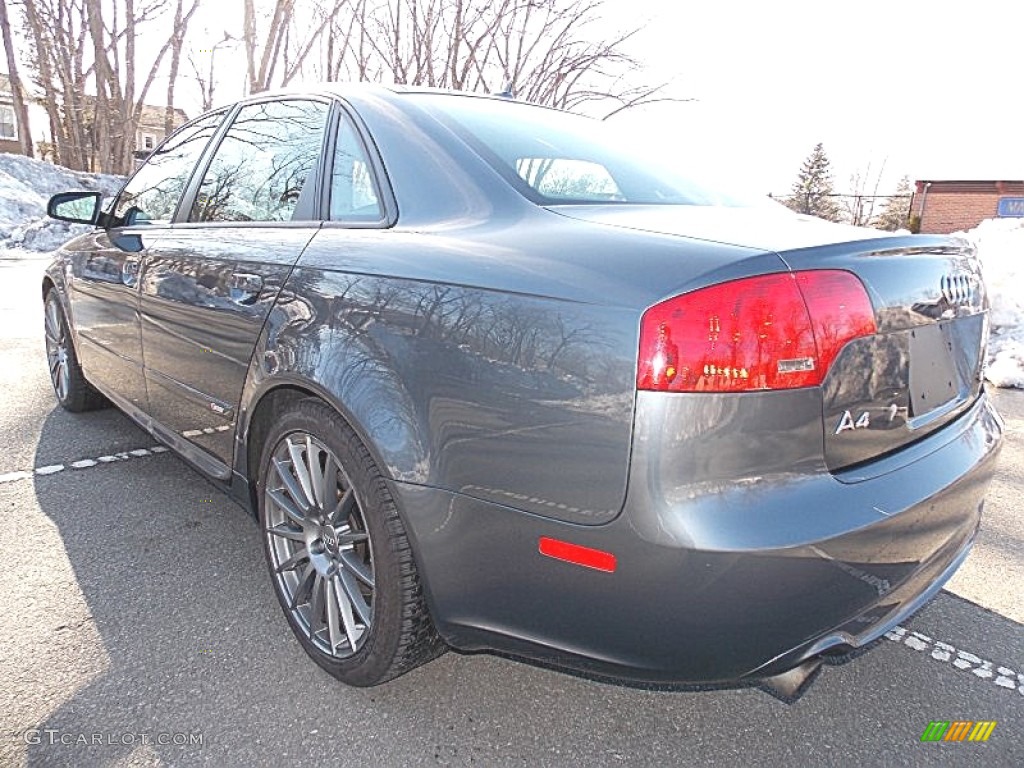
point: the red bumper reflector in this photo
(574, 553)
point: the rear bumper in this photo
(717, 581)
(881, 616)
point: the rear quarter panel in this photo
(515, 398)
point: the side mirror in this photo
(76, 207)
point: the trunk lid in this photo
(924, 366)
(921, 369)
(769, 227)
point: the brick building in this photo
(950, 206)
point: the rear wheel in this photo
(338, 554)
(73, 392)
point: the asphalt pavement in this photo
(138, 628)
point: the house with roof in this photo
(9, 131)
(149, 133)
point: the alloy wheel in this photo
(319, 546)
(57, 351)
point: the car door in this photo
(208, 284)
(104, 285)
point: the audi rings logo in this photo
(956, 289)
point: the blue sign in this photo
(1011, 206)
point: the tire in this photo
(337, 551)
(73, 391)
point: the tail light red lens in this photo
(778, 331)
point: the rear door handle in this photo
(245, 287)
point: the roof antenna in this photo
(508, 92)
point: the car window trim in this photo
(199, 172)
(301, 224)
(378, 174)
(199, 169)
(157, 148)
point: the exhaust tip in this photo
(790, 685)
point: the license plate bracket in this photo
(934, 378)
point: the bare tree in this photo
(78, 41)
(206, 78)
(177, 40)
(859, 205)
(17, 96)
(57, 37)
(287, 40)
(543, 51)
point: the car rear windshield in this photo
(557, 157)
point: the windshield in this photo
(557, 157)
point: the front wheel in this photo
(73, 391)
(338, 554)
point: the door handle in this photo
(130, 272)
(245, 287)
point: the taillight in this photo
(777, 331)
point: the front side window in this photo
(8, 125)
(265, 168)
(152, 194)
(353, 195)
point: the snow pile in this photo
(1000, 245)
(25, 186)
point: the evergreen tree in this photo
(812, 191)
(894, 214)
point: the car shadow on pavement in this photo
(182, 640)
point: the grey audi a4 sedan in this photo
(489, 378)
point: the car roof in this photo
(354, 90)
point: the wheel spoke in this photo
(357, 567)
(318, 477)
(53, 329)
(333, 629)
(62, 379)
(301, 594)
(343, 508)
(346, 613)
(54, 362)
(286, 532)
(286, 506)
(301, 472)
(355, 597)
(290, 485)
(316, 608)
(297, 557)
(355, 537)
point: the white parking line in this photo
(1003, 677)
(52, 469)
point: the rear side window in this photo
(565, 179)
(556, 157)
(152, 194)
(353, 194)
(265, 167)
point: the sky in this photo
(930, 89)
